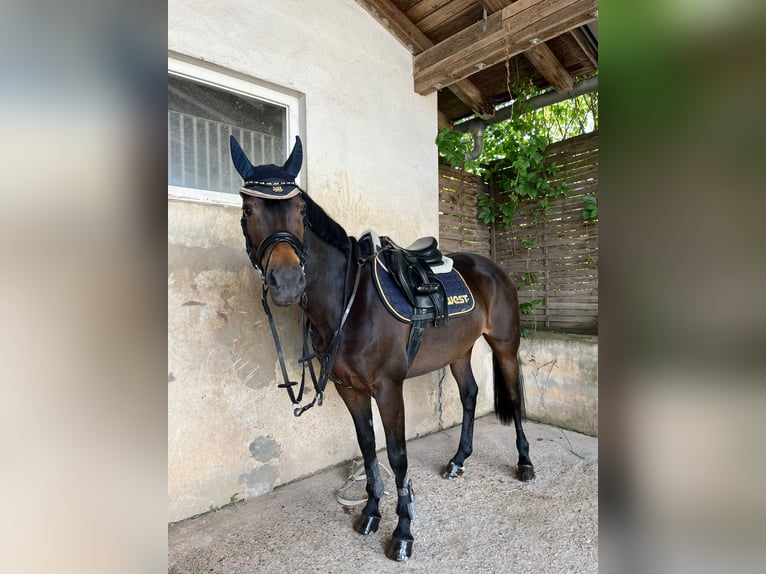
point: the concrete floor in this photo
(486, 521)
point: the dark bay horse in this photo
(306, 258)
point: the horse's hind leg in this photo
(508, 399)
(360, 406)
(461, 370)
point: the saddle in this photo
(411, 270)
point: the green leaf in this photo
(527, 308)
(529, 278)
(590, 212)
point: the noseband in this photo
(272, 241)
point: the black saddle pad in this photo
(459, 297)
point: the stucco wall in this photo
(561, 380)
(369, 137)
(370, 161)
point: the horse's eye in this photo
(303, 210)
(248, 211)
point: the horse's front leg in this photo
(391, 407)
(360, 406)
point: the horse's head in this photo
(273, 221)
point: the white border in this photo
(231, 82)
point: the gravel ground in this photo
(485, 521)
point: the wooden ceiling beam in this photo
(585, 45)
(549, 67)
(467, 92)
(423, 8)
(397, 23)
(494, 5)
(444, 14)
(386, 12)
(444, 122)
(506, 33)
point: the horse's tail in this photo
(503, 407)
(503, 404)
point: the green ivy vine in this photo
(513, 154)
(590, 211)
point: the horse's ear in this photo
(294, 162)
(241, 163)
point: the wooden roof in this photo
(471, 51)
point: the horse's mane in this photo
(324, 226)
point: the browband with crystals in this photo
(272, 193)
(270, 183)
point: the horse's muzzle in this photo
(286, 284)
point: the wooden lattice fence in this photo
(555, 257)
(459, 226)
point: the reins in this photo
(327, 360)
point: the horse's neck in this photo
(325, 279)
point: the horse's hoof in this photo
(366, 525)
(399, 550)
(526, 472)
(453, 471)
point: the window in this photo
(205, 106)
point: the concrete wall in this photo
(561, 380)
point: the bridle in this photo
(327, 360)
(271, 241)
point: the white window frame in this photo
(221, 79)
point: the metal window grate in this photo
(198, 152)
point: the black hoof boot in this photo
(526, 472)
(453, 471)
(399, 550)
(366, 525)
